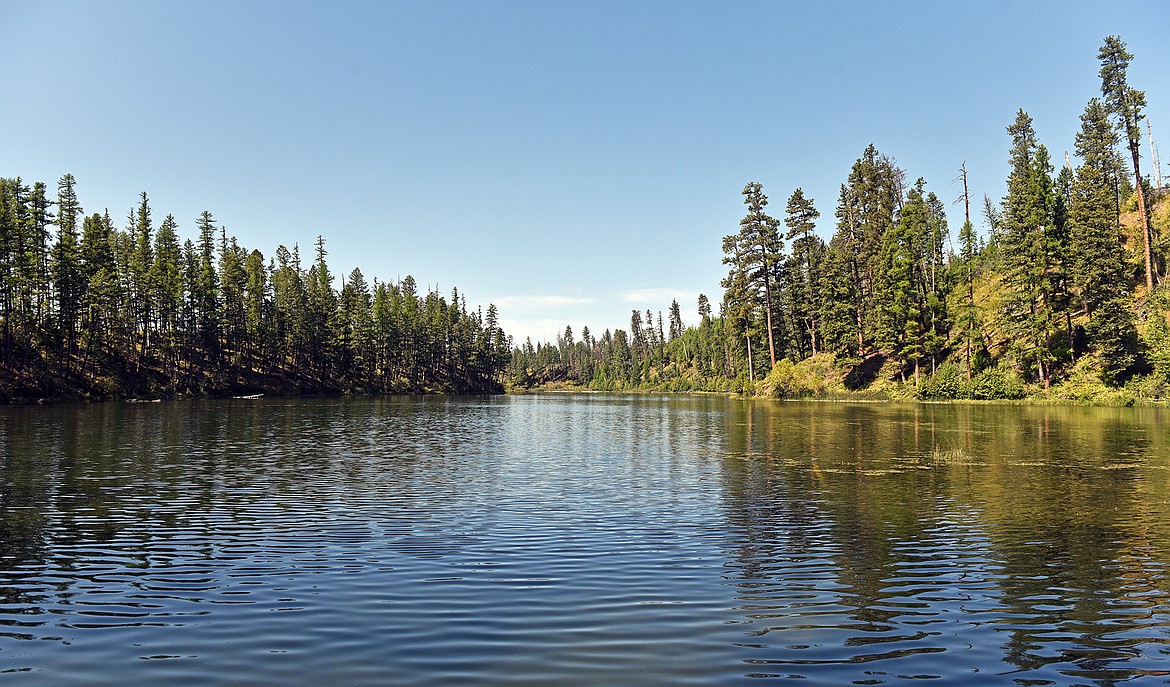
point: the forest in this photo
(1064, 299)
(91, 310)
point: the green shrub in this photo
(997, 382)
(814, 376)
(1152, 387)
(1155, 335)
(1085, 384)
(948, 381)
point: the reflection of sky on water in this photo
(582, 539)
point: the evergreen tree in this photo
(968, 320)
(289, 305)
(102, 293)
(676, 323)
(322, 313)
(755, 255)
(704, 306)
(1099, 272)
(39, 281)
(900, 299)
(204, 289)
(1029, 247)
(260, 334)
(356, 327)
(13, 210)
(1125, 103)
(621, 363)
(807, 251)
(839, 314)
(166, 281)
(68, 278)
(867, 208)
(936, 284)
(141, 259)
(233, 281)
(137, 308)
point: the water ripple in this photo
(578, 540)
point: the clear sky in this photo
(567, 161)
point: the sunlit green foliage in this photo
(1044, 306)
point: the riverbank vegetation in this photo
(1064, 300)
(92, 310)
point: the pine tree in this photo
(936, 284)
(807, 251)
(205, 288)
(39, 278)
(12, 211)
(902, 282)
(103, 293)
(867, 208)
(322, 313)
(837, 286)
(68, 279)
(1125, 103)
(704, 307)
(233, 281)
(968, 320)
(1029, 250)
(141, 234)
(290, 305)
(755, 255)
(1099, 273)
(167, 286)
(258, 326)
(356, 328)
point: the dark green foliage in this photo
(755, 256)
(1125, 103)
(910, 316)
(867, 208)
(1098, 266)
(804, 273)
(1156, 336)
(135, 311)
(996, 383)
(1032, 250)
(67, 275)
(968, 317)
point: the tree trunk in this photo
(771, 342)
(751, 367)
(1149, 253)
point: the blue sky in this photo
(567, 161)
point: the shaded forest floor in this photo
(36, 380)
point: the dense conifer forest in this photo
(90, 309)
(1065, 298)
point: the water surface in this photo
(582, 540)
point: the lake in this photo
(582, 539)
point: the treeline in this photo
(1063, 290)
(91, 309)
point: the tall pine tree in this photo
(1125, 103)
(1099, 273)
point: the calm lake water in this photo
(582, 540)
